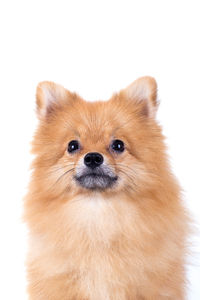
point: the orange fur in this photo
(123, 243)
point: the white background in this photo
(94, 48)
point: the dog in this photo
(104, 211)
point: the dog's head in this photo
(103, 146)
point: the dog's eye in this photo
(117, 145)
(73, 146)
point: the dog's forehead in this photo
(95, 131)
(95, 119)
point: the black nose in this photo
(93, 160)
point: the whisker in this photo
(63, 175)
(123, 168)
(60, 168)
(128, 176)
(117, 164)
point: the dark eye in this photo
(73, 146)
(117, 145)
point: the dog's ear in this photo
(49, 97)
(144, 92)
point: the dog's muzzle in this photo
(98, 178)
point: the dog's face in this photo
(97, 146)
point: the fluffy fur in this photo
(124, 242)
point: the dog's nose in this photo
(93, 160)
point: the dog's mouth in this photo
(96, 180)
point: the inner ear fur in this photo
(143, 91)
(49, 96)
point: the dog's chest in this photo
(88, 232)
(95, 217)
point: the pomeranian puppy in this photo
(104, 211)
